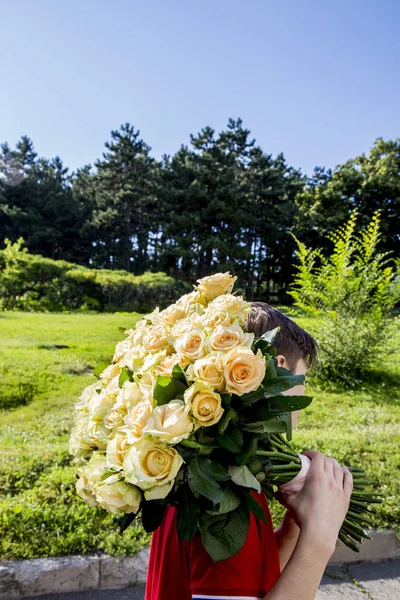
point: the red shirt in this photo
(180, 570)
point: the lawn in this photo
(45, 362)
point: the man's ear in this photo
(281, 361)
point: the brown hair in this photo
(293, 342)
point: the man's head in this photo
(296, 349)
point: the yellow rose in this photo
(136, 420)
(116, 450)
(216, 285)
(150, 463)
(208, 369)
(224, 339)
(235, 306)
(211, 320)
(117, 496)
(204, 403)
(133, 358)
(166, 366)
(155, 340)
(120, 349)
(243, 370)
(185, 325)
(172, 314)
(170, 422)
(192, 344)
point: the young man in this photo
(287, 563)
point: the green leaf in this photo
(186, 524)
(126, 375)
(231, 440)
(125, 521)
(249, 452)
(241, 475)
(167, 389)
(152, 515)
(269, 336)
(230, 501)
(178, 373)
(99, 368)
(289, 403)
(252, 397)
(253, 506)
(223, 536)
(275, 425)
(281, 384)
(202, 480)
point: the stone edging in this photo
(39, 576)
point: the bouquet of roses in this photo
(191, 413)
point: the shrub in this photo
(353, 292)
(32, 282)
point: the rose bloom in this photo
(86, 396)
(185, 325)
(216, 285)
(212, 320)
(152, 360)
(208, 369)
(109, 373)
(172, 314)
(243, 370)
(204, 403)
(116, 450)
(170, 422)
(155, 340)
(128, 396)
(100, 405)
(136, 420)
(133, 358)
(225, 338)
(193, 344)
(117, 496)
(120, 349)
(89, 475)
(151, 464)
(193, 298)
(137, 334)
(166, 366)
(112, 387)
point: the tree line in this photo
(221, 203)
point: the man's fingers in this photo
(347, 482)
(317, 461)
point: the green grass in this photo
(40, 512)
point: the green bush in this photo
(352, 293)
(31, 282)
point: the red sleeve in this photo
(183, 570)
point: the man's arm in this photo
(304, 570)
(286, 537)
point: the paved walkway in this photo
(364, 581)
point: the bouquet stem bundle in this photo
(278, 464)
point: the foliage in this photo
(359, 428)
(32, 282)
(353, 293)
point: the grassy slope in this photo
(40, 513)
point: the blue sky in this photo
(315, 79)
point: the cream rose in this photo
(243, 370)
(151, 463)
(117, 496)
(136, 420)
(224, 339)
(213, 319)
(155, 340)
(109, 373)
(192, 344)
(208, 369)
(172, 314)
(120, 349)
(100, 405)
(116, 450)
(166, 366)
(170, 422)
(90, 475)
(216, 285)
(133, 358)
(204, 404)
